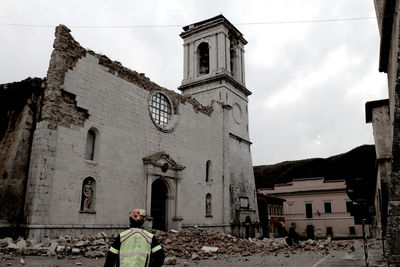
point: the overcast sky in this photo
(310, 80)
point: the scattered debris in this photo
(191, 244)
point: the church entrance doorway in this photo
(159, 192)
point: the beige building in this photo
(100, 139)
(317, 208)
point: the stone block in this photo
(170, 260)
(75, 251)
(3, 243)
(81, 244)
(21, 243)
(94, 254)
(60, 249)
(52, 248)
(32, 251)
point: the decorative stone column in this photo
(177, 219)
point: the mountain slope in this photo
(358, 162)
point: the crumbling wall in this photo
(65, 115)
(243, 202)
(144, 82)
(60, 107)
(19, 110)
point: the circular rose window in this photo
(160, 109)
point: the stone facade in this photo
(19, 110)
(109, 140)
(377, 113)
(389, 25)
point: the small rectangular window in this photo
(328, 207)
(352, 230)
(329, 231)
(309, 210)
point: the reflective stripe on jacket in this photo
(135, 247)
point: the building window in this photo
(309, 213)
(233, 58)
(352, 230)
(90, 145)
(160, 109)
(349, 206)
(208, 170)
(328, 207)
(208, 205)
(88, 199)
(204, 58)
(329, 231)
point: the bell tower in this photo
(214, 69)
(213, 56)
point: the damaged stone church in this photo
(93, 139)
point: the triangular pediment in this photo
(160, 159)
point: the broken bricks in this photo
(195, 244)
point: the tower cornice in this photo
(218, 77)
(211, 23)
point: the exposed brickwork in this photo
(59, 108)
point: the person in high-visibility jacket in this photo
(135, 246)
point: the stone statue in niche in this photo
(87, 193)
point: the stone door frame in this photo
(161, 166)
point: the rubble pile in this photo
(88, 246)
(194, 244)
(191, 243)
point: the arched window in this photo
(88, 199)
(90, 145)
(233, 51)
(208, 170)
(204, 58)
(208, 205)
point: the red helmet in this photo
(138, 214)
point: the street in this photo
(305, 258)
